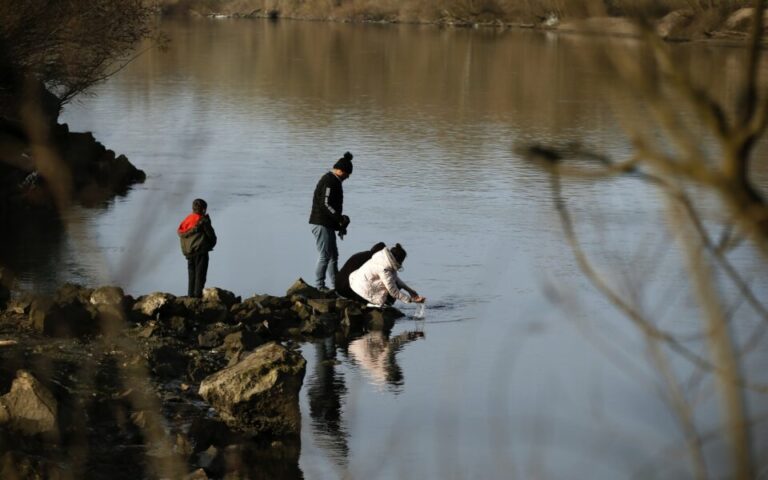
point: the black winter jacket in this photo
(327, 202)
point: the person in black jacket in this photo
(197, 238)
(327, 219)
(355, 261)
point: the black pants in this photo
(197, 267)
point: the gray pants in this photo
(325, 239)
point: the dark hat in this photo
(344, 163)
(399, 253)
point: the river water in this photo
(519, 368)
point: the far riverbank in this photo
(731, 22)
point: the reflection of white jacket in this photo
(378, 278)
(370, 352)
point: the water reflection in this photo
(375, 354)
(326, 389)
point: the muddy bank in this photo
(93, 380)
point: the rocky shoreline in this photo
(93, 380)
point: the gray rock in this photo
(382, 319)
(270, 302)
(111, 305)
(21, 305)
(73, 293)
(260, 394)
(320, 325)
(66, 317)
(107, 296)
(218, 295)
(154, 304)
(210, 312)
(248, 312)
(353, 321)
(238, 343)
(304, 311)
(209, 339)
(149, 330)
(301, 287)
(29, 407)
(323, 305)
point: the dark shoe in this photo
(323, 289)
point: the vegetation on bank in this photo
(699, 16)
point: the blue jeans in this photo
(329, 255)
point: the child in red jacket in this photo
(197, 239)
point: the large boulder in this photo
(29, 408)
(260, 394)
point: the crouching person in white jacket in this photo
(377, 281)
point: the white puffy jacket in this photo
(378, 278)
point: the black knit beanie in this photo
(399, 253)
(345, 163)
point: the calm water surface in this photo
(520, 369)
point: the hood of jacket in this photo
(385, 259)
(189, 223)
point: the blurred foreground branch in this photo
(670, 153)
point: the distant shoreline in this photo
(682, 25)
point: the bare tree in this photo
(669, 153)
(68, 46)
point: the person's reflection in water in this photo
(325, 392)
(375, 353)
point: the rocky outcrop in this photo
(304, 313)
(124, 368)
(259, 394)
